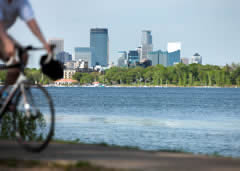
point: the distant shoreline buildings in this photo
(95, 57)
(144, 55)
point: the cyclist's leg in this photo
(4, 59)
(13, 73)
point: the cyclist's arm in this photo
(8, 44)
(32, 24)
(26, 14)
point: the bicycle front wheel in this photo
(34, 117)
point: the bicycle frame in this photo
(20, 80)
(17, 86)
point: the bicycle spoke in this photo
(33, 127)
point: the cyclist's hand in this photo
(48, 48)
(9, 47)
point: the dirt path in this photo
(121, 158)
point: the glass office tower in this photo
(174, 58)
(133, 57)
(159, 57)
(99, 45)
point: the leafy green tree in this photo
(190, 79)
(77, 76)
(148, 76)
(86, 79)
(238, 80)
(210, 78)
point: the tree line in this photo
(179, 75)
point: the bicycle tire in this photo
(30, 115)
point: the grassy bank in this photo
(11, 164)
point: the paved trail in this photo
(120, 158)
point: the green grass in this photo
(218, 155)
(173, 151)
(13, 163)
(80, 165)
(77, 141)
(103, 144)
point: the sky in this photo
(209, 27)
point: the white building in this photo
(68, 73)
(83, 53)
(59, 43)
(196, 59)
(174, 46)
(80, 64)
(122, 59)
(69, 64)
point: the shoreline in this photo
(134, 148)
(140, 86)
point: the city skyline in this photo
(209, 28)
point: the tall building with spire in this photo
(146, 44)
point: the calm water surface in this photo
(197, 120)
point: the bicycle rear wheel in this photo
(34, 117)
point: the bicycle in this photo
(33, 109)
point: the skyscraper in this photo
(83, 53)
(59, 43)
(147, 45)
(174, 53)
(174, 58)
(99, 45)
(164, 58)
(159, 57)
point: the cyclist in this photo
(10, 10)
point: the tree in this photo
(148, 76)
(86, 79)
(77, 76)
(210, 78)
(190, 79)
(238, 80)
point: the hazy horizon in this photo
(207, 27)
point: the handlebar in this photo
(31, 48)
(21, 51)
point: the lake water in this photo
(198, 120)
